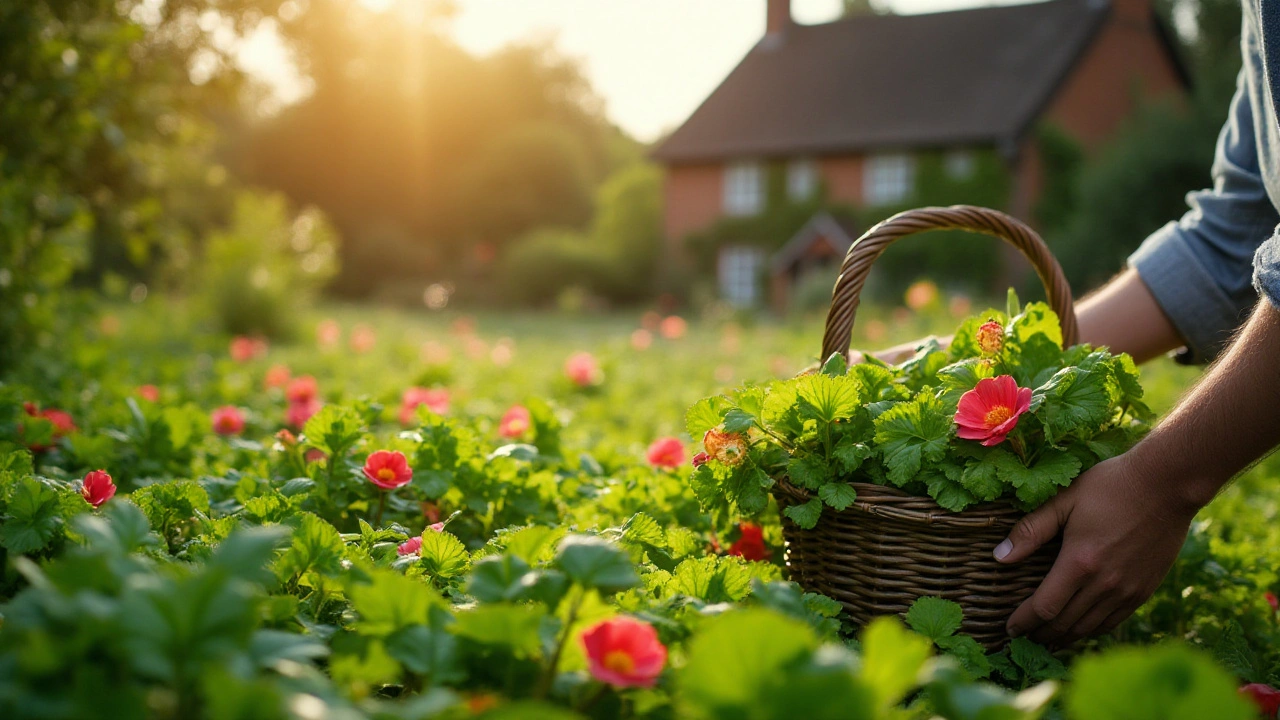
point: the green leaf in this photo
(836, 365)
(911, 434)
(31, 519)
(1037, 319)
(1171, 682)
(594, 562)
(806, 514)
(711, 579)
(892, 659)
(971, 655)
(443, 555)
(428, 651)
(838, 495)
(809, 472)
(315, 546)
(704, 415)
(961, 377)
(1232, 652)
(1037, 662)
(334, 429)
(643, 529)
(878, 383)
(1073, 400)
(737, 421)
(391, 602)
(982, 479)
(514, 626)
(1012, 307)
(497, 578)
(736, 657)
(934, 617)
(1036, 484)
(1129, 381)
(850, 455)
(948, 493)
(826, 399)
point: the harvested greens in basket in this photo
(1003, 413)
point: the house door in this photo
(738, 272)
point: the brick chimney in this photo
(777, 17)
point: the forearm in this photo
(1124, 316)
(1227, 422)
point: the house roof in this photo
(976, 76)
(837, 230)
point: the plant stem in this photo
(549, 675)
(382, 505)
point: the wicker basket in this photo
(888, 548)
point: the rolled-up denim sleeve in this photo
(1200, 268)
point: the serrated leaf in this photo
(934, 617)
(982, 479)
(1037, 662)
(1036, 484)
(497, 578)
(737, 421)
(826, 399)
(594, 562)
(443, 555)
(704, 415)
(970, 654)
(836, 365)
(805, 514)
(911, 434)
(892, 659)
(948, 493)
(513, 626)
(808, 472)
(31, 518)
(851, 455)
(1072, 400)
(838, 495)
(711, 579)
(641, 528)
(391, 602)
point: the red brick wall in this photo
(1125, 63)
(693, 197)
(842, 176)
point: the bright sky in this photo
(653, 61)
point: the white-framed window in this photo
(743, 188)
(802, 179)
(888, 179)
(739, 274)
(960, 164)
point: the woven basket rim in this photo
(890, 502)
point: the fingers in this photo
(1092, 622)
(1049, 600)
(1034, 530)
(1085, 602)
(1119, 616)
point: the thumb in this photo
(1034, 530)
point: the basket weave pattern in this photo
(888, 548)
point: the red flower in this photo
(242, 349)
(673, 327)
(62, 423)
(277, 376)
(388, 469)
(410, 546)
(515, 422)
(150, 393)
(1272, 600)
(301, 389)
(729, 448)
(991, 410)
(990, 337)
(1265, 697)
(750, 544)
(436, 400)
(315, 455)
(700, 459)
(624, 652)
(97, 488)
(666, 452)
(583, 370)
(227, 420)
(298, 413)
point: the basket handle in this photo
(864, 251)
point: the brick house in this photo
(845, 107)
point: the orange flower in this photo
(515, 422)
(673, 327)
(227, 420)
(729, 448)
(990, 337)
(921, 295)
(97, 488)
(388, 469)
(990, 411)
(624, 652)
(666, 452)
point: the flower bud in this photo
(990, 337)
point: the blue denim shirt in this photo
(1208, 269)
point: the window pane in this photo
(888, 179)
(802, 179)
(743, 189)
(739, 275)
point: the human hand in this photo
(897, 353)
(1120, 535)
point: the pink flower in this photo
(729, 448)
(700, 459)
(298, 413)
(436, 400)
(328, 333)
(750, 544)
(277, 377)
(363, 339)
(624, 652)
(1272, 600)
(990, 411)
(673, 327)
(990, 337)
(314, 455)
(666, 452)
(410, 546)
(515, 422)
(1265, 697)
(641, 339)
(388, 469)
(150, 393)
(921, 295)
(227, 420)
(97, 488)
(436, 527)
(583, 370)
(301, 389)
(243, 349)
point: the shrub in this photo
(265, 266)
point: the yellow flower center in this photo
(998, 414)
(387, 474)
(619, 662)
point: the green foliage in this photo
(1169, 683)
